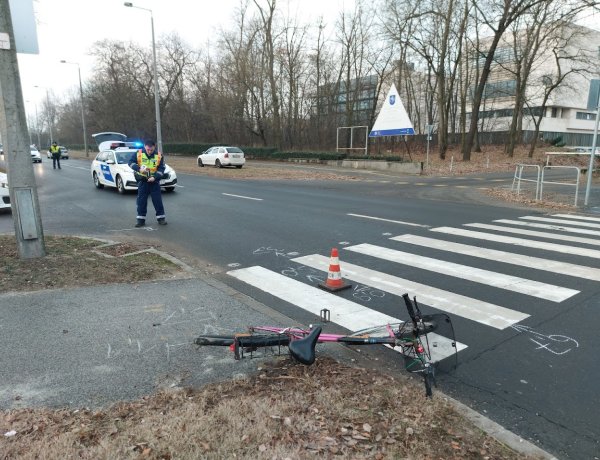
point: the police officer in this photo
(148, 167)
(55, 152)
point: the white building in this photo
(566, 114)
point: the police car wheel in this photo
(120, 185)
(97, 181)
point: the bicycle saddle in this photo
(303, 350)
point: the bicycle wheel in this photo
(401, 330)
(214, 340)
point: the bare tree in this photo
(267, 15)
(498, 15)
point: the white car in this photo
(64, 153)
(4, 195)
(222, 156)
(35, 155)
(111, 168)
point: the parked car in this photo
(222, 156)
(35, 155)
(64, 153)
(4, 196)
(111, 168)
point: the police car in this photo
(111, 166)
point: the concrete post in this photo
(21, 180)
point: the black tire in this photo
(239, 166)
(97, 182)
(200, 164)
(214, 340)
(169, 189)
(120, 185)
(218, 164)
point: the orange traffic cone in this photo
(334, 281)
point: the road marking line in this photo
(244, 197)
(520, 242)
(499, 280)
(347, 314)
(561, 221)
(553, 266)
(473, 309)
(562, 228)
(388, 220)
(551, 236)
(573, 216)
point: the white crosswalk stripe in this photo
(476, 310)
(465, 272)
(347, 314)
(551, 236)
(576, 217)
(562, 228)
(553, 266)
(575, 250)
(561, 221)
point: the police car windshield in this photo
(124, 158)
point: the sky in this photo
(67, 29)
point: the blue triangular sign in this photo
(392, 119)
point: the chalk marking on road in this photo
(478, 275)
(473, 309)
(347, 314)
(548, 265)
(242, 196)
(388, 220)
(552, 338)
(574, 250)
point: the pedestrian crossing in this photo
(561, 229)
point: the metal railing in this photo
(518, 178)
(576, 184)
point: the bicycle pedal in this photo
(325, 315)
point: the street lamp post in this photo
(156, 93)
(48, 109)
(85, 146)
(37, 127)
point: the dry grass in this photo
(79, 261)
(286, 411)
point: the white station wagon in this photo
(222, 156)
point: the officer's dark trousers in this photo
(56, 160)
(151, 189)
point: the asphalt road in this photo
(536, 377)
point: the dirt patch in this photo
(285, 411)
(73, 262)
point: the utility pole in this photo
(21, 180)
